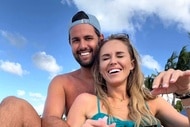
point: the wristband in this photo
(183, 96)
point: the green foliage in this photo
(178, 106)
(171, 62)
(183, 62)
(180, 62)
(149, 80)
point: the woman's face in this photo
(115, 62)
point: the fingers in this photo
(92, 123)
(171, 81)
(187, 73)
(104, 119)
(158, 91)
(101, 122)
(162, 80)
(87, 125)
(112, 125)
(167, 77)
(174, 76)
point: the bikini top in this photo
(119, 122)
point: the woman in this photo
(121, 95)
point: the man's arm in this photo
(55, 105)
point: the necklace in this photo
(117, 103)
(121, 100)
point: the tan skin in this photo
(172, 81)
(64, 88)
(85, 105)
(159, 108)
(17, 112)
(176, 81)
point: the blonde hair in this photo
(138, 94)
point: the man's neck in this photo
(86, 72)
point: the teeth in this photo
(85, 53)
(114, 71)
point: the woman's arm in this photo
(172, 81)
(77, 113)
(168, 115)
(83, 108)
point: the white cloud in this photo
(46, 62)
(66, 2)
(37, 96)
(39, 108)
(21, 92)
(149, 62)
(11, 67)
(14, 38)
(36, 99)
(129, 15)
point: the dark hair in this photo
(82, 15)
(79, 15)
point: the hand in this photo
(171, 81)
(102, 122)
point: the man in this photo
(84, 36)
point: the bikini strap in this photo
(98, 103)
(147, 105)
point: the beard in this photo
(90, 62)
(85, 64)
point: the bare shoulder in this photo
(68, 86)
(158, 104)
(86, 102)
(61, 91)
(85, 97)
(62, 85)
(73, 83)
(167, 114)
(64, 79)
(155, 104)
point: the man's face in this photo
(84, 44)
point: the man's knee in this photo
(25, 114)
(8, 100)
(13, 103)
(12, 100)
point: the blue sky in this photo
(34, 38)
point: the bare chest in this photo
(74, 89)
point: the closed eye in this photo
(105, 57)
(120, 56)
